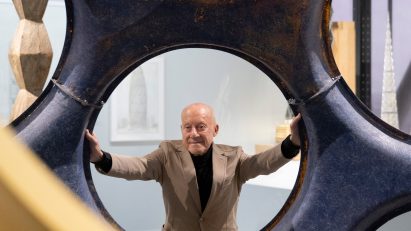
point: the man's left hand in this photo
(295, 134)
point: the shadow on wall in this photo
(404, 102)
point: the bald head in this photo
(198, 127)
(199, 107)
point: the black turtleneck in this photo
(204, 171)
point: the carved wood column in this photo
(30, 53)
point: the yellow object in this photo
(282, 131)
(343, 47)
(33, 198)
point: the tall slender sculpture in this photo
(30, 53)
(138, 100)
(389, 112)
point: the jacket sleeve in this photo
(148, 167)
(262, 163)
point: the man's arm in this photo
(270, 160)
(148, 167)
(288, 148)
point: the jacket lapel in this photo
(219, 174)
(190, 177)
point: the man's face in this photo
(198, 129)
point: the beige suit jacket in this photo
(172, 167)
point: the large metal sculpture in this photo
(354, 171)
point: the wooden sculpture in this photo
(30, 54)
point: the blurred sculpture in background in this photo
(30, 54)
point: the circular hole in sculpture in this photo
(145, 109)
(398, 223)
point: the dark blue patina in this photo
(354, 172)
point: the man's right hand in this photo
(95, 151)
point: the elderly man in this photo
(201, 181)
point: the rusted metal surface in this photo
(354, 171)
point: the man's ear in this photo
(216, 129)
